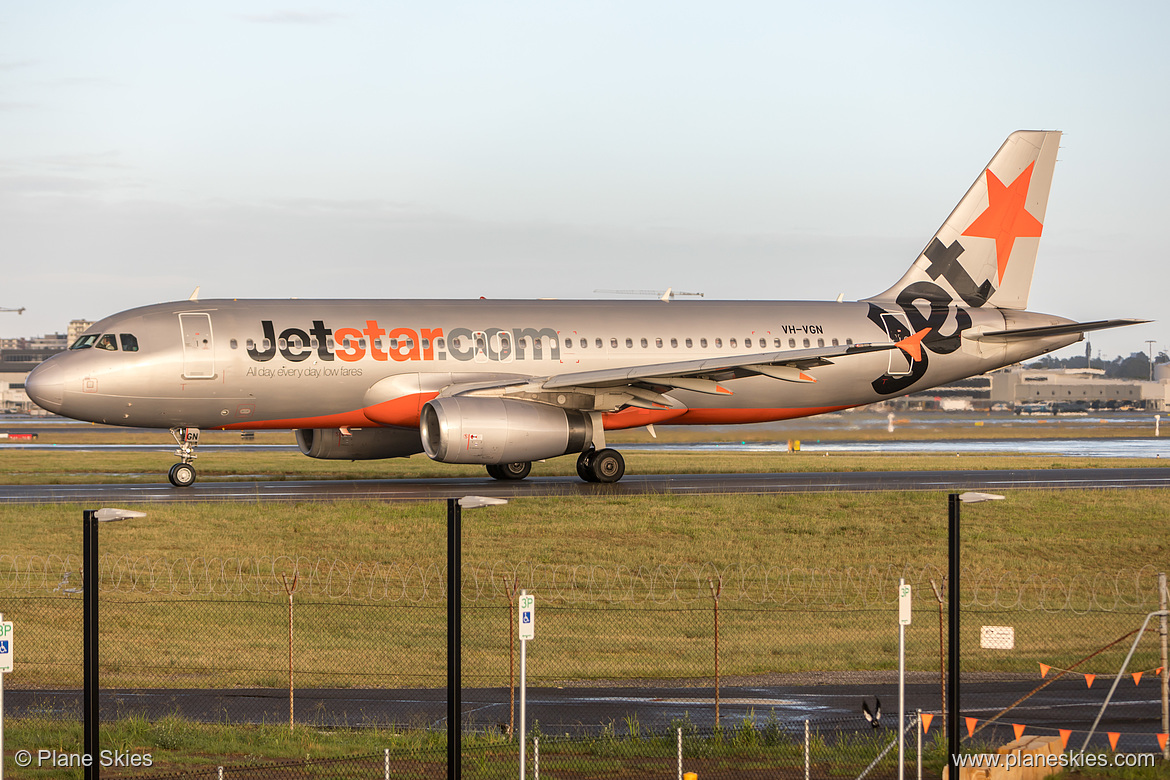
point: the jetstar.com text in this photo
(374, 342)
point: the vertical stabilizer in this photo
(985, 251)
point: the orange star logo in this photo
(1006, 219)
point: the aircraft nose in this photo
(45, 385)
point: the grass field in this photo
(824, 563)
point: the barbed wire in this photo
(660, 585)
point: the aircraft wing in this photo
(641, 385)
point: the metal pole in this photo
(919, 730)
(953, 635)
(523, 700)
(454, 639)
(901, 689)
(1120, 674)
(807, 752)
(89, 587)
(1164, 605)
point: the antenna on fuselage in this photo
(195, 294)
(667, 295)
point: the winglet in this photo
(912, 345)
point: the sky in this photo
(511, 149)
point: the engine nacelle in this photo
(497, 430)
(360, 444)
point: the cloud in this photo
(294, 17)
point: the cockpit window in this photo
(85, 342)
(108, 341)
(129, 342)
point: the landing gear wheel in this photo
(584, 469)
(607, 466)
(182, 475)
(509, 471)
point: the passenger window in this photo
(689, 343)
(645, 344)
(835, 344)
(629, 343)
(807, 343)
(233, 344)
(107, 341)
(703, 343)
(731, 343)
(718, 343)
(597, 343)
(250, 344)
(674, 343)
(820, 342)
(130, 342)
(849, 342)
(85, 342)
(613, 343)
(584, 343)
(792, 343)
(568, 343)
(658, 343)
(776, 343)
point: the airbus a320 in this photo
(508, 382)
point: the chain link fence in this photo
(736, 660)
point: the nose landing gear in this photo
(182, 474)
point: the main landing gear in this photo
(509, 470)
(182, 474)
(604, 465)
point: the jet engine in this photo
(468, 429)
(359, 444)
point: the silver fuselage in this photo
(252, 364)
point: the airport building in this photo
(1086, 388)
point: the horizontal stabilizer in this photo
(1052, 330)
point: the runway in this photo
(830, 708)
(696, 484)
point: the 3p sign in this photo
(5, 647)
(527, 617)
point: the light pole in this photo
(455, 507)
(953, 501)
(1150, 345)
(89, 588)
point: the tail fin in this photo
(985, 252)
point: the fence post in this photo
(510, 593)
(1163, 599)
(807, 757)
(715, 597)
(386, 764)
(220, 773)
(536, 758)
(942, 663)
(918, 720)
(680, 753)
(290, 591)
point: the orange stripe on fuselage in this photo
(404, 413)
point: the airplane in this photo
(508, 382)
